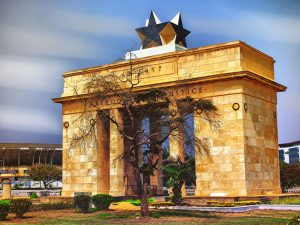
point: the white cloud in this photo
(99, 25)
(27, 119)
(31, 73)
(275, 28)
(19, 40)
(47, 30)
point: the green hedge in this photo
(52, 206)
(231, 204)
(20, 206)
(102, 201)
(82, 202)
(287, 201)
(4, 208)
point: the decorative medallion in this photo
(92, 122)
(245, 107)
(235, 106)
(66, 124)
(173, 113)
(199, 111)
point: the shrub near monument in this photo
(4, 209)
(82, 202)
(102, 201)
(20, 206)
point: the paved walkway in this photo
(280, 207)
(233, 209)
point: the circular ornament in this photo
(92, 122)
(173, 113)
(66, 124)
(274, 114)
(245, 107)
(199, 111)
(235, 106)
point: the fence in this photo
(26, 193)
(294, 190)
(190, 192)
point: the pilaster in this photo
(117, 175)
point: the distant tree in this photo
(177, 172)
(45, 173)
(289, 175)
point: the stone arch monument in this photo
(239, 79)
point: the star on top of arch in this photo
(156, 33)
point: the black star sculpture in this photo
(156, 33)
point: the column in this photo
(6, 188)
(176, 143)
(131, 175)
(103, 155)
(156, 179)
(176, 138)
(197, 122)
(117, 186)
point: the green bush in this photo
(155, 215)
(20, 206)
(82, 202)
(286, 201)
(52, 206)
(295, 221)
(33, 195)
(16, 187)
(4, 209)
(102, 201)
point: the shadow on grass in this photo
(184, 213)
(117, 216)
(251, 221)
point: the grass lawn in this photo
(165, 217)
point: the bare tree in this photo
(166, 116)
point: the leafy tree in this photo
(145, 148)
(289, 175)
(177, 172)
(46, 173)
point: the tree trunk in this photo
(144, 203)
(138, 182)
(177, 194)
(45, 184)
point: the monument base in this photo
(203, 200)
(154, 51)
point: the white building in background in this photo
(289, 152)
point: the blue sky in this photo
(41, 39)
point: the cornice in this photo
(212, 78)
